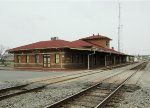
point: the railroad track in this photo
(98, 95)
(37, 85)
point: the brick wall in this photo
(101, 42)
(66, 60)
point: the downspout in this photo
(89, 59)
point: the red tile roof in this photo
(96, 37)
(44, 45)
(53, 44)
(80, 43)
(83, 44)
(65, 44)
(103, 49)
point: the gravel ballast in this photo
(140, 98)
(55, 92)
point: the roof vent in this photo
(54, 38)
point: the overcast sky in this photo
(27, 21)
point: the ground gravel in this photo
(140, 98)
(55, 92)
(50, 95)
(7, 84)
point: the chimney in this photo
(93, 34)
(112, 48)
(98, 34)
(54, 38)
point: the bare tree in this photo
(3, 53)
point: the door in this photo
(46, 61)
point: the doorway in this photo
(46, 61)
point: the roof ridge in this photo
(96, 37)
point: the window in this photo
(56, 58)
(82, 58)
(18, 59)
(36, 58)
(107, 43)
(27, 59)
(72, 58)
(77, 58)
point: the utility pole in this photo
(119, 27)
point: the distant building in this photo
(92, 51)
(145, 57)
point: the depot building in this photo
(86, 53)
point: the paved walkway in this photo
(16, 75)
